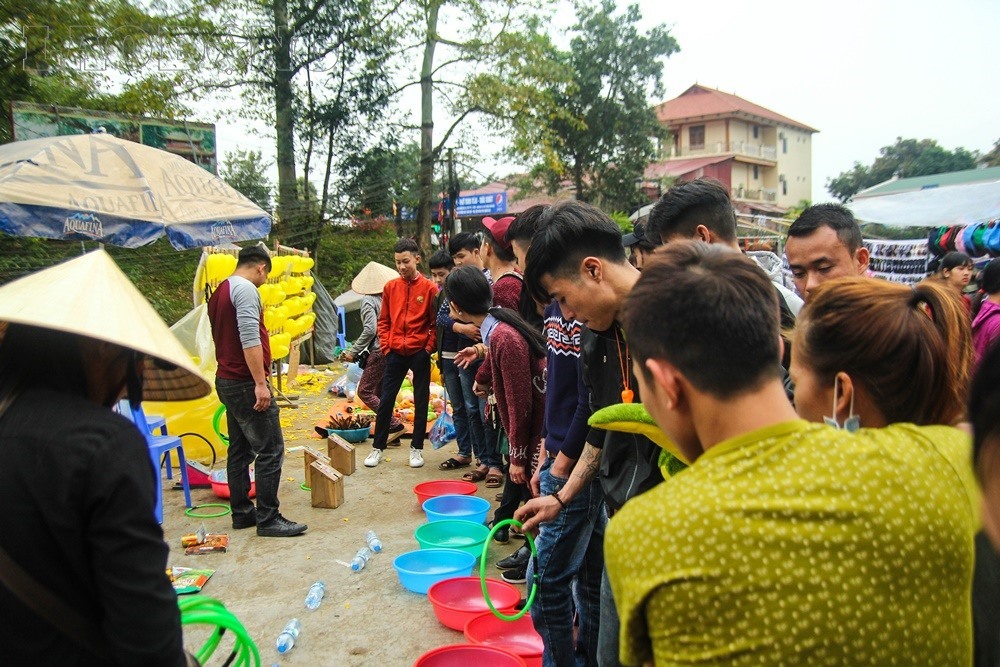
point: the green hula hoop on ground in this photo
(190, 511)
(304, 487)
(216, 419)
(482, 572)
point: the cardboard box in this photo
(342, 455)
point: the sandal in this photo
(476, 475)
(494, 480)
(454, 464)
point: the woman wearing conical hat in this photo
(76, 481)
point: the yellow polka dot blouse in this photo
(802, 545)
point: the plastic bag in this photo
(443, 430)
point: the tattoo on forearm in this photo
(591, 460)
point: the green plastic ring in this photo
(304, 487)
(190, 511)
(216, 419)
(482, 572)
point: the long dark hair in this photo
(468, 289)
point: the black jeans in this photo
(251, 434)
(396, 366)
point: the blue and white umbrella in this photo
(97, 187)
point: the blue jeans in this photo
(569, 565)
(483, 447)
(607, 641)
(459, 413)
(251, 434)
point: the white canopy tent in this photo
(939, 206)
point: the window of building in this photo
(696, 137)
(756, 172)
(756, 132)
(784, 187)
(784, 144)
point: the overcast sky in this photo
(862, 73)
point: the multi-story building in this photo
(763, 157)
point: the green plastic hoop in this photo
(190, 511)
(304, 487)
(482, 572)
(216, 419)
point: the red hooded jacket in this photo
(408, 321)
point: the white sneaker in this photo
(374, 458)
(416, 458)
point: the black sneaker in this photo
(248, 521)
(322, 432)
(516, 576)
(395, 433)
(515, 560)
(502, 536)
(281, 527)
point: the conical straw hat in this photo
(90, 296)
(372, 278)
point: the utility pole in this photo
(453, 191)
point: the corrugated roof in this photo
(698, 101)
(898, 185)
(681, 167)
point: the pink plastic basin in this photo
(518, 637)
(468, 655)
(443, 487)
(458, 600)
(221, 489)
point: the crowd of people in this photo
(834, 500)
(829, 511)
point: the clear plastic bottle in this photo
(286, 640)
(374, 543)
(315, 595)
(361, 558)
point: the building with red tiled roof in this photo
(765, 158)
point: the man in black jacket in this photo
(577, 258)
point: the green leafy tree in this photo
(602, 140)
(100, 54)
(906, 158)
(245, 171)
(382, 180)
(494, 61)
(992, 158)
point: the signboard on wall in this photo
(190, 140)
(484, 204)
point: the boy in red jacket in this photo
(406, 334)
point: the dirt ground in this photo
(366, 618)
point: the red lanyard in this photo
(623, 360)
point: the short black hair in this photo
(836, 217)
(441, 260)
(710, 312)
(703, 201)
(253, 255)
(525, 225)
(568, 232)
(989, 278)
(406, 244)
(503, 254)
(464, 241)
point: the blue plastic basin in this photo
(419, 570)
(466, 508)
(354, 435)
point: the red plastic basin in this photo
(457, 601)
(443, 487)
(464, 655)
(221, 489)
(518, 637)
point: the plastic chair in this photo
(342, 329)
(160, 447)
(155, 422)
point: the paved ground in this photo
(366, 618)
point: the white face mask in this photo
(853, 421)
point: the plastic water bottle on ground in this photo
(374, 543)
(315, 595)
(286, 640)
(361, 559)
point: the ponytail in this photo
(951, 319)
(531, 335)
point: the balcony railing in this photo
(720, 148)
(755, 194)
